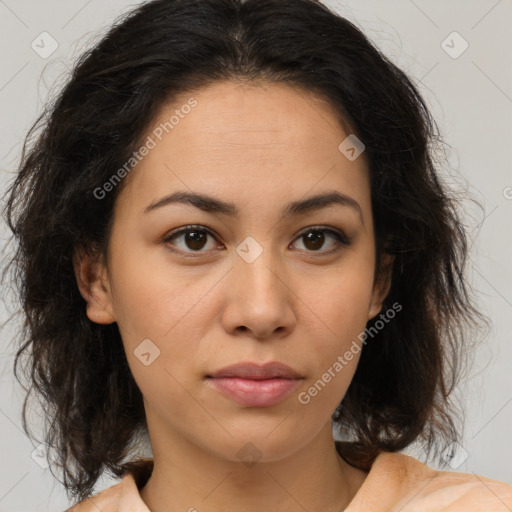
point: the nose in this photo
(260, 299)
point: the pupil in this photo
(195, 239)
(316, 238)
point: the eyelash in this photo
(341, 239)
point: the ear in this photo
(92, 279)
(382, 284)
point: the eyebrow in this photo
(211, 204)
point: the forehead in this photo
(261, 116)
(269, 140)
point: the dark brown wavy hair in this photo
(402, 389)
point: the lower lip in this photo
(254, 393)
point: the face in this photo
(263, 275)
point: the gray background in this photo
(471, 98)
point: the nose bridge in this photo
(256, 266)
(260, 298)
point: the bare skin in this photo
(259, 147)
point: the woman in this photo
(233, 238)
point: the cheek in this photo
(343, 296)
(161, 320)
(338, 308)
(149, 295)
(343, 314)
(164, 304)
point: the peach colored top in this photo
(395, 483)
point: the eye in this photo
(193, 238)
(314, 238)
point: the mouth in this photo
(253, 385)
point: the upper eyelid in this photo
(184, 229)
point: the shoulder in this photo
(106, 501)
(397, 482)
(121, 497)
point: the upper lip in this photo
(254, 371)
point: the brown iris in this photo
(316, 238)
(195, 239)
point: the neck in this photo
(191, 478)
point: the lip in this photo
(254, 385)
(255, 371)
